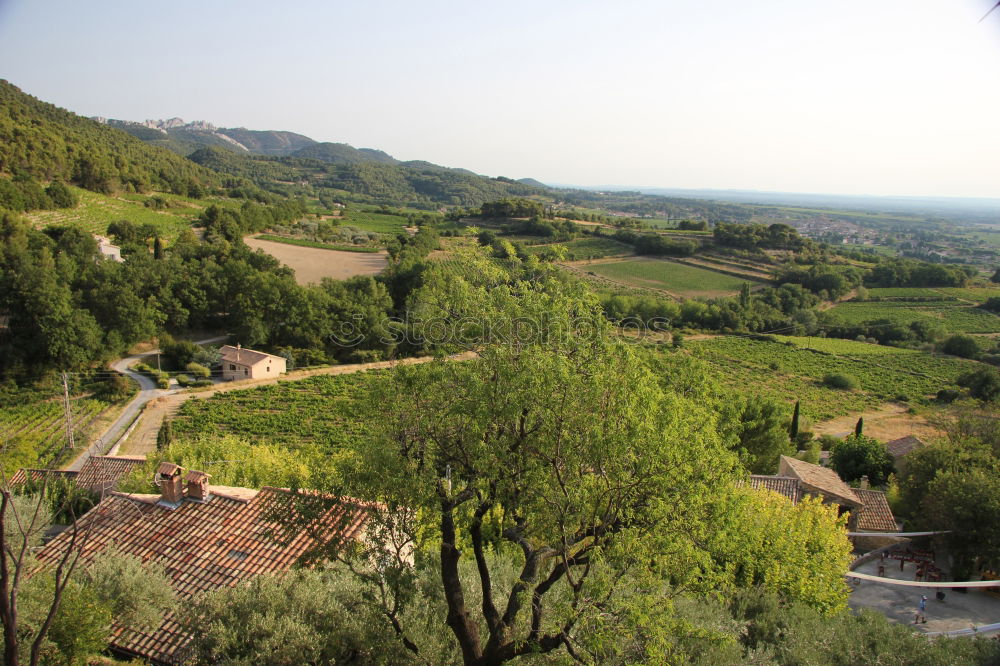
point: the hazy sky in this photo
(854, 96)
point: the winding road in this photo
(147, 392)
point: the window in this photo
(232, 367)
(245, 371)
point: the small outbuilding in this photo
(239, 363)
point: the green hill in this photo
(268, 142)
(40, 142)
(341, 153)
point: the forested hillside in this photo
(40, 142)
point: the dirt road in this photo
(142, 440)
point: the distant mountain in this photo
(43, 142)
(185, 138)
(531, 182)
(268, 142)
(341, 153)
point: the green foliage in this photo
(758, 236)
(81, 624)
(233, 461)
(305, 617)
(840, 381)
(757, 427)
(137, 594)
(512, 208)
(965, 346)
(49, 143)
(789, 634)
(799, 551)
(859, 455)
(198, 370)
(983, 383)
(966, 502)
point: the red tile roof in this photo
(98, 474)
(205, 546)
(816, 478)
(903, 446)
(242, 356)
(102, 473)
(22, 475)
(783, 485)
(876, 516)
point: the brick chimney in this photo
(864, 482)
(168, 478)
(197, 486)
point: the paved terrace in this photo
(958, 610)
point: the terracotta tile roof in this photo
(205, 546)
(783, 485)
(99, 473)
(194, 476)
(168, 468)
(232, 354)
(816, 478)
(903, 446)
(876, 516)
(102, 473)
(22, 475)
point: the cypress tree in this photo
(157, 248)
(793, 430)
(859, 427)
(165, 435)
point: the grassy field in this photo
(843, 347)
(679, 279)
(377, 222)
(793, 368)
(955, 316)
(96, 211)
(972, 294)
(320, 413)
(588, 248)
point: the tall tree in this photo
(793, 429)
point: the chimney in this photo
(864, 482)
(168, 478)
(197, 486)
(238, 347)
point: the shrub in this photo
(947, 395)
(961, 345)
(198, 370)
(839, 381)
(983, 383)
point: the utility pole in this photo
(68, 411)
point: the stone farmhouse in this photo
(239, 363)
(206, 537)
(869, 509)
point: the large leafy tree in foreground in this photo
(557, 450)
(570, 458)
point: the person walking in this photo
(922, 611)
